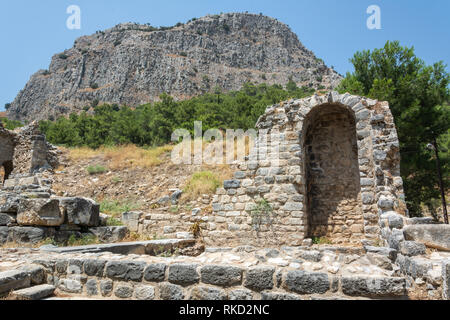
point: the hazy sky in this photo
(32, 31)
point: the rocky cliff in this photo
(133, 64)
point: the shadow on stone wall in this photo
(332, 174)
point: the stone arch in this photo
(331, 174)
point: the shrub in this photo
(96, 169)
(83, 241)
(321, 240)
(94, 86)
(203, 182)
(263, 214)
(113, 222)
(183, 54)
(118, 206)
(63, 56)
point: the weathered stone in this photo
(81, 211)
(389, 252)
(259, 278)
(9, 202)
(421, 220)
(183, 274)
(94, 267)
(304, 282)
(70, 285)
(4, 232)
(7, 219)
(207, 293)
(373, 286)
(106, 287)
(412, 248)
(145, 292)
(36, 273)
(311, 255)
(433, 236)
(91, 287)
(380, 260)
(231, 184)
(110, 234)
(176, 196)
(221, 275)
(40, 212)
(385, 203)
(26, 234)
(168, 291)
(446, 280)
(131, 220)
(240, 294)
(123, 291)
(278, 296)
(125, 270)
(155, 272)
(34, 293)
(14, 279)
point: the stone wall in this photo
(187, 281)
(25, 151)
(330, 167)
(7, 142)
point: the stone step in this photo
(34, 293)
(14, 279)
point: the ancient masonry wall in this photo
(25, 151)
(187, 281)
(338, 172)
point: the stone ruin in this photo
(337, 178)
(29, 210)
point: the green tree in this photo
(418, 96)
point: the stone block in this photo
(434, 236)
(169, 291)
(125, 270)
(110, 234)
(145, 292)
(94, 268)
(207, 293)
(14, 279)
(259, 278)
(304, 282)
(123, 291)
(221, 275)
(155, 272)
(412, 248)
(34, 293)
(40, 212)
(240, 294)
(231, 184)
(183, 274)
(81, 211)
(368, 286)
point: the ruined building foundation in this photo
(338, 171)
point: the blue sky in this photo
(32, 31)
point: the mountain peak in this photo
(133, 64)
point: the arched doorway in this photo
(332, 174)
(5, 170)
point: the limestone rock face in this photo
(434, 236)
(133, 64)
(40, 212)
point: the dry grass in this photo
(205, 182)
(122, 157)
(127, 156)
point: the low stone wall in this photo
(184, 281)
